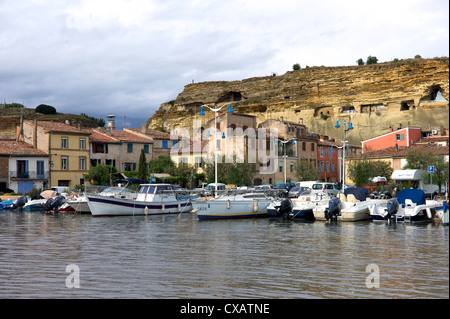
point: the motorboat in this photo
(352, 205)
(6, 204)
(79, 203)
(151, 199)
(301, 207)
(35, 204)
(233, 205)
(409, 206)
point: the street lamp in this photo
(350, 127)
(284, 142)
(215, 110)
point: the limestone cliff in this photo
(412, 92)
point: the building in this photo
(66, 146)
(22, 167)
(162, 142)
(402, 137)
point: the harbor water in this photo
(78, 256)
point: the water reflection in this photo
(180, 257)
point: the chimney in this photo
(143, 128)
(20, 133)
(390, 129)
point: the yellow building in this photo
(68, 149)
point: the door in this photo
(25, 187)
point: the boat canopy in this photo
(407, 175)
(154, 188)
(415, 195)
(360, 193)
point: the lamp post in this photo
(344, 126)
(215, 110)
(284, 142)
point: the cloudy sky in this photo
(126, 57)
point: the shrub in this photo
(45, 109)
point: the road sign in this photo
(430, 169)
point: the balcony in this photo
(14, 175)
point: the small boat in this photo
(233, 205)
(19, 203)
(152, 199)
(352, 205)
(302, 207)
(6, 204)
(409, 206)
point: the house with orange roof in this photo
(66, 146)
(22, 167)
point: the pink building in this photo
(402, 137)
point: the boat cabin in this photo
(156, 192)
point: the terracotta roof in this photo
(49, 126)
(124, 136)
(10, 147)
(99, 137)
(393, 152)
(155, 134)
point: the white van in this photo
(330, 188)
(306, 184)
(212, 187)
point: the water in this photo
(170, 257)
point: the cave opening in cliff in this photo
(434, 95)
(407, 105)
(230, 96)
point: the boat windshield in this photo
(115, 189)
(147, 189)
(163, 188)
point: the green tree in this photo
(296, 67)
(45, 109)
(142, 166)
(306, 171)
(101, 174)
(417, 56)
(371, 60)
(417, 159)
(161, 164)
(231, 173)
(360, 61)
(362, 171)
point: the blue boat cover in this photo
(415, 195)
(360, 193)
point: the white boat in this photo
(409, 206)
(352, 205)
(302, 207)
(79, 203)
(234, 205)
(152, 199)
(34, 205)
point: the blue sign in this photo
(430, 169)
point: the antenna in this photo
(124, 121)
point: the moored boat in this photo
(302, 207)
(152, 199)
(409, 206)
(234, 205)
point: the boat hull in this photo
(107, 206)
(224, 209)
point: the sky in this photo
(127, 57)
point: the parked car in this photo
(265, 186)
(330, 188)
(286, 186)
(297, 190)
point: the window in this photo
(332, 166)
(198, 162)
(400, 137)
(304, 146)
(130, 167)
(82, 163)
(64, 163)
(312, 147)
(64, 143)
(280, 166)
(291, 167)
(320, 166)
(82, 143)
(165, 144)
(40, 169)
(326, 167)
(330, 152)
(130, 148)
(146, 149)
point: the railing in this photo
(28, 175)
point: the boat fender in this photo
(228, 204)
(429, 215)
(255, 206)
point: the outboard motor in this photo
(285, 209)
(392, 208)
(334, 209)
(54, 203)
(19, 203)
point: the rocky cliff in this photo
(411, 92)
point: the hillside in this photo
(412, 92)
(10, 119)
